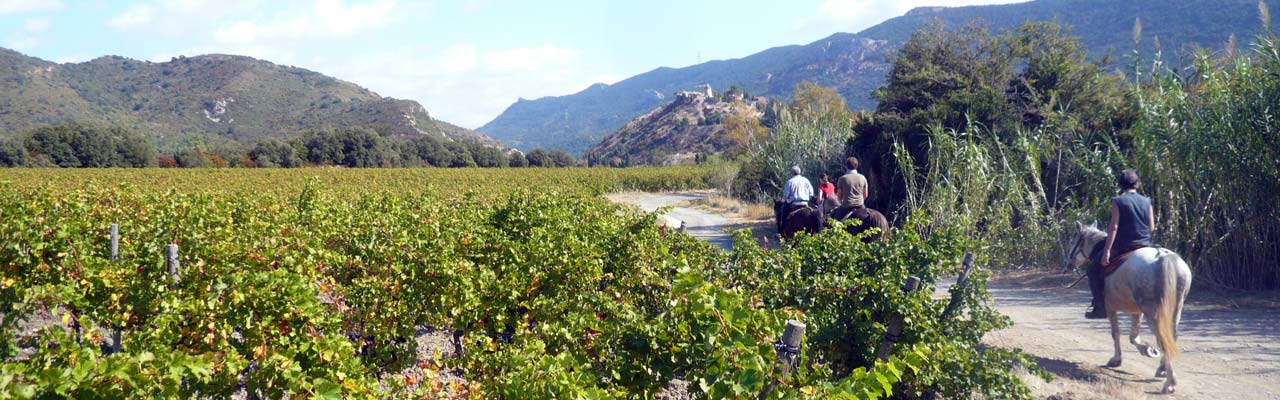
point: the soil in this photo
(1228, 351)
(1230, 343)
(700, 223)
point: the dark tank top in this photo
(1135, 220)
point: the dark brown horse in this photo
(870, 219)
(808, 219)
(811, 220)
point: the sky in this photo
(464, 60)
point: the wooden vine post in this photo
(115, 242)
(116, 335)
(788, 348)
(174, 264)
(957, 292)
(894, 331)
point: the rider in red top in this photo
(826, 189)
(826, 194)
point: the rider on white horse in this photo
(1132, 221)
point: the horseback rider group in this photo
(846, 198)
(1132, 218)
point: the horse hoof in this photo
(1168, 389)
(1149, 351)
(1113, 363)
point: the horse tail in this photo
(1167, 289)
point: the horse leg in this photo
(1171, 381)
(1166, 364)
(1134, 331)
(1115, 337)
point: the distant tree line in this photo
(84, 146)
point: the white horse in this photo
(1152, 282)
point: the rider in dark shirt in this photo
(1132, 221)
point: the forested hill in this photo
(1106, 27)
(206, 99)
(854, 64)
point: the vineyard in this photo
(315, 282)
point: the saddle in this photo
(861, 213)
(1117, 257)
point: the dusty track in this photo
(701, 224)
(1229, 352)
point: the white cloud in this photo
(178, 17)
(138, 15)
(74, 58)
(36, 24)
(28, 38)
(326, 19)
(528, 58)
(25, 6)
(855, 15)
(21, 42)
(474, 6)
(467, 85)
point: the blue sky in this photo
(465, 60)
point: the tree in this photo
(12, 154)
(539, 158)
(812, 99)
(273, 153)
(561, 159)
(517, 160)
(192, 157)
(743, 129)
(76, 145)
(56, 143)
(488, 157)
(948, 78)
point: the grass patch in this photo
(739, 208)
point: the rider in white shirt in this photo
(795, 194)
(798, 190)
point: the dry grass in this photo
(738, 208)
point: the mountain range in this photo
(856, 64)
(202, 100)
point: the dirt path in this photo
(701, 224)
(1228, 352)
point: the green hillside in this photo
(205, 99)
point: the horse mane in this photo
(1093, 234)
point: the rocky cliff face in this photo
(676, 133)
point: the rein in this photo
(1081, 278)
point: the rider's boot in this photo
(1096, 285)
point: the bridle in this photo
(1075, 246)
